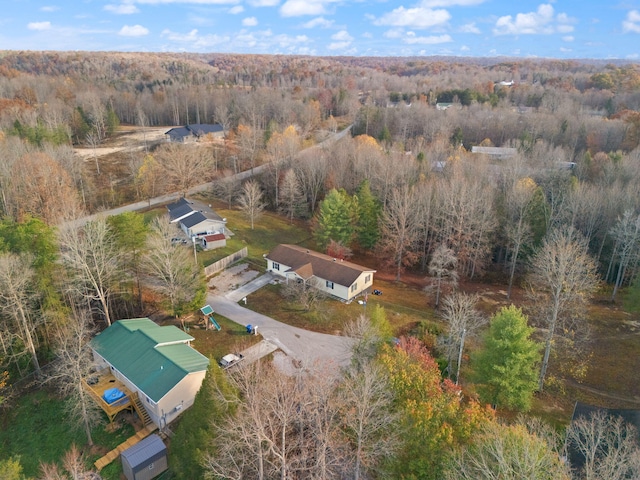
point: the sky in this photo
(476, 28)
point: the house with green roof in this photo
(155, 361)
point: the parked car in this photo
(230, 360)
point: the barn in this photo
(145, 460)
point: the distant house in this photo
(158, 363)
(194, 132)
(196, 224)
(338, 278)
(495, 152)
(443, 105)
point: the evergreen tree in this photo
(506, 368)
(368, 214)
(335, 219)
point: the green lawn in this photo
(36, 429)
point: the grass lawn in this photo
(36, 430)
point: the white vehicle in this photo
(230, 360)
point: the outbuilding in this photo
(146, 459)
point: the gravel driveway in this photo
(301, 346)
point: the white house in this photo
(338, 278)
(195, 224)
(156, 362)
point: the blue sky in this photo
(479, 28)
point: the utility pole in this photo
(464, 332)
(195, 255)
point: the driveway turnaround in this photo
(301, 345)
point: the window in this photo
(276, 266)
(354, 287)
(367, 279)
(329, 284)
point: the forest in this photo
(519, 173)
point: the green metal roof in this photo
(154, 358)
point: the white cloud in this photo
(133, 31)
(464, 48)
(632, 22)
(318, 22)
(193, 2)
(296, 8)
(469, 28)
(49, 8)
(264, 3)
(568, 38)
(192, 36)
(342, 36)
(449, 3)
(236, 10)
(394, 33)
(566, 50)
(122, 9)
(412, 39)
(542, 21)
(414, 18)
(40, 26)
(250, 22)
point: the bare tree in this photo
(226, 188)
(443, 269)
(518, 203)
(184, 166)
(73, 464)
(563, 276)
(291, 202)
(368, 419)
(72, 368)
(607, 445)
(460, 314)
(18, 303)
(626, 250)
(250, 200)
(308, 293)
(171, 266)
(507, 451)
(400, 228)
(93, 259)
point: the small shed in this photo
(146, 459)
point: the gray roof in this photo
(147, 448)
(494, 151)
(307, 263)
(196, 129)
(179, 209)
(193, 219)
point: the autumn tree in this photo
(506, 367)
(250, 200)
(335, 219)
(93, 260)
(183, 166)
(433, 417)
(562, 278)
(172, 268)
(39, 187)
(250, 140)
(150, 180)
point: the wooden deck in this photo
(97, 385)
(115, 453)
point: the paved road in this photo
(302, 345)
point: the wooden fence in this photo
(225, 262)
